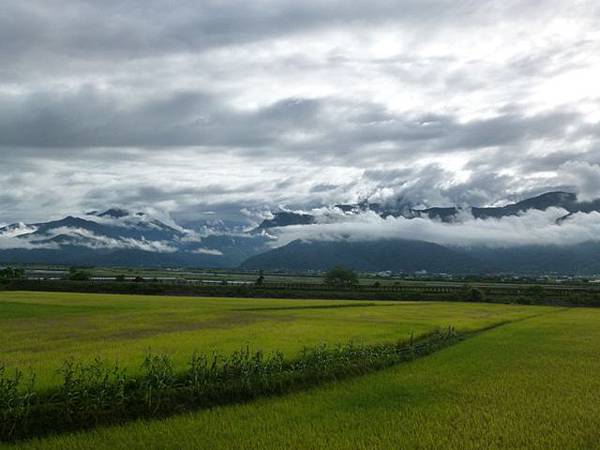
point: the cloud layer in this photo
(538, 228)
(211, 107)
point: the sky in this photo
(203, 109)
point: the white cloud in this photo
(208, 251)
(84, 238)
(89, 239)
(584, 176)
(10, 242)
(531, 228)
(15, 230)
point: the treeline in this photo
(529, 295)
(12, 273)
(100, 394)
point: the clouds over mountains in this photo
(531, 228)
(218, 106)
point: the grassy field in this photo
(529, 384)
(42, 330)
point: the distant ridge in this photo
(558, 199)
(413, 256)
(117, 236)
(396, 255)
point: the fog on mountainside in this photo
(552, 232)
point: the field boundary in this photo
(101, 394)
(309, 307)
(527, 294)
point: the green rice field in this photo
(42, 330)
(533, 382)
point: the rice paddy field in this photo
(532, 382)
(42, 330)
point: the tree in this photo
(476, 295)
(473, 294)
(9, 273)
(535, 293)
(340, 276)
(261, 278)
(78, 275)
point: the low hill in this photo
(373, 256)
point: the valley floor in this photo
(531, 383)
(41, 330)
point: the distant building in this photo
(384, 274)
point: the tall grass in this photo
(101, 393)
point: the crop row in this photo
(99, 393)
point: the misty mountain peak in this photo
(114, 213)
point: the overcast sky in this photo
(200, 107)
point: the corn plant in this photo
(17, 397)
(159, 376)
(98, 392)
(88, 390)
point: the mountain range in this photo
(564, 200)
(120, 237)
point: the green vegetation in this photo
(475, 294)
(10, 273)
(340, 276)
(339, 284)
(99, 393)
(364, 279)
(78, 275)
(42, 330)
(529, 384)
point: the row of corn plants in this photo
(99, 393)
